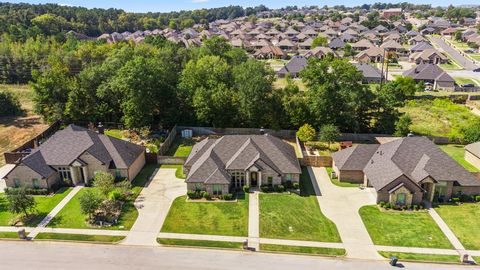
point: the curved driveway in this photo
(153, 204)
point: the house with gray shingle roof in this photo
(220, 165)
(405, 171)
(73, 156)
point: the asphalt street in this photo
(57, 255)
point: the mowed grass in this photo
(336, 182)
(464, 221)
(438, 117)
(200, 243)
(79, 237)
(116, 133)
(71, 215)
(457, 152)
(217, 218)
(463, 80)
(280, 83)
(9, 235)
(181, 147)
(45, 204)
(303, 250)
(179, 170)
(290, 216)
(404, 229)
(422, 257)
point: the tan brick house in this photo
(232, 161)
(73, 155)
(405, 171)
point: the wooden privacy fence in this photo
(316, 161)
(163, 149)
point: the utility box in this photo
(22, 234)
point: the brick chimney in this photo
(100, 128)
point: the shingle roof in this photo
(355, 157)
(67, 145)
(294, 66)
(428, 72)
(239, 152)
(416, 158)
(368, 71)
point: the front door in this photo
(254, 179)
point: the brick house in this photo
(405, 171)
(73, 155)
(232, 161)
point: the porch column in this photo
(73, 173)
(85, 175)
(259, 178)
(247, 178)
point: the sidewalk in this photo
(153, 205)
(341, 206)
(253, 221)
(54, 212)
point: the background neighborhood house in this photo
(405, 171)
(74, 155)
(232, 161)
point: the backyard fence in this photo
(163, 149)
(169, 160)
(202, 131)
(316, 161)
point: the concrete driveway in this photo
(153, 204)
(341, 205)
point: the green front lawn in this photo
(421, 257)
(45, 204)
(336, 182)
(217, 218)
(178, 173)
(180, 147)
(303, 250)
(462, 80)
(464, 221)
(457, 152)
(79, 237)
(290, 216)
(199, 243)
(452, 65)
(402, 228)
(71, 215)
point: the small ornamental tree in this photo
(104, 182)
(306, 133)
(329, 133)
(20, 202)
(402, 126)
(89, 202)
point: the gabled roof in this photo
(295, 65)
(428, 72)
(355, 157)
(239, 152)
(368, 71)
(67, 145)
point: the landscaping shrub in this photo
(228, 197)
(279, 188)
(116, 195)
(296, 185)
(415, 207)
(206, 195)
(246, 188)
(477, 198)
(382, 204)
(466, 198)
(288, 184)
(388, 205)
(28, 191)
(265, 188)
(456, 200)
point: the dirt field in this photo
(14, 131)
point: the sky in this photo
(175, 5)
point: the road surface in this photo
(462, 60)
(50, 255)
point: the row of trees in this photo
(216, 85)
(22, 21)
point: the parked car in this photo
(468, 85)
(476, 70)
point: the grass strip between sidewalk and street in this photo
(303, 250)
(200, 243)
(8, 235)
(79, 237)
(418, 257)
